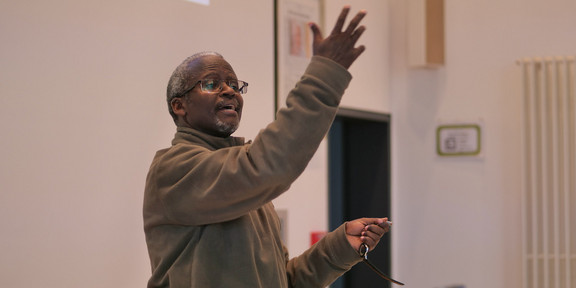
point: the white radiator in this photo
(549, 176)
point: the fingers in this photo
(355, 21)
(383, 222)
(339, 45)
(366, 230)
(375, 228)
(341, 19)
(356, 35)
(370, 238)
(372, 233)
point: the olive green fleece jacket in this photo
(208, 216)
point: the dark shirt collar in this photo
(189, 135)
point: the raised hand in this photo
(340, 44)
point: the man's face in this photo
(214, 113)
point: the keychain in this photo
(364, 253)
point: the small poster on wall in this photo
(293, 42)
(459, 140)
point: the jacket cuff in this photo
(341, 250)
(341, 77)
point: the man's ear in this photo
(178, 107)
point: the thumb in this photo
(317, 34)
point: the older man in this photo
(208, 216)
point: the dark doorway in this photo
(359, 184)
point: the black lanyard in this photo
(364, 253)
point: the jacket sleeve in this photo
(198, 186)
(324, 262)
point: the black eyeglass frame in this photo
(242, 86)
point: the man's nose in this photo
(227, 90)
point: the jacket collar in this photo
(189, 135)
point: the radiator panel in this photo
(549, 173)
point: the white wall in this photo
(82, 112)
(458, 220)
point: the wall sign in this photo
(293, 42)
(458, 140)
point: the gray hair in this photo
(180, 80)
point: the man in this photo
(208, 216)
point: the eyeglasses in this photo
(213, 85)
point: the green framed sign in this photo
(459, 140)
